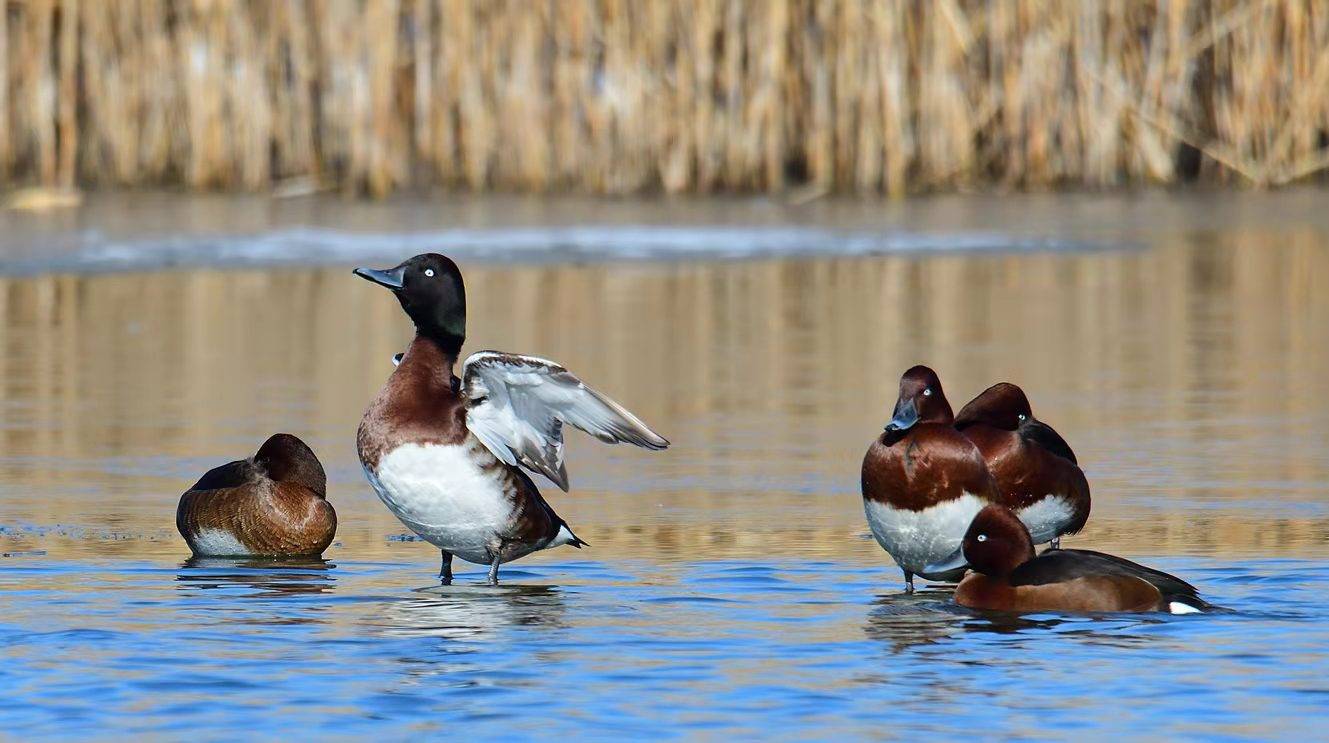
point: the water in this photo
(639, 648)
(730, 589)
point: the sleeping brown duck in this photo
(272, 504)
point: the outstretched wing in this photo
(517, 405)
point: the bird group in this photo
(447, 450)
(945, 494)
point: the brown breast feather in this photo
(417, 405)
(930, 464)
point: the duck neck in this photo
(438, 354)
(938, 411)
(448, 342)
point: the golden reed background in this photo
(613, 96)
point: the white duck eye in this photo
(982, 537)
(429, 272)
(927, 392)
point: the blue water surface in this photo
(717, 648)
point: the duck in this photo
(923, 481)
(273, 504)
(448, 455)
(1035, 469)
(1008, 576)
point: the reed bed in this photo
(621, 96)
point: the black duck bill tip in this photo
(391, 278)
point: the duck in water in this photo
(445, 453)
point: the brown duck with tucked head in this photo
(273, 504)
(1034, 467)
(1009, 577)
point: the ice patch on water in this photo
(318, 246)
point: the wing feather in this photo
(1048, 438)
(1058, 565)
(517, 405)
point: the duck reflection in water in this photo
(472, 612)
(910, 621)
(904, 622)
(268, 577)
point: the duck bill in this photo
(954, 562)
(391, 278)
(905, 416)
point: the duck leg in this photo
(493, 571)
(908, 582)
(445, 572)
(1055, 543)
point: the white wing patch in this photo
(517, 405)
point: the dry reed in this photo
(615, 96)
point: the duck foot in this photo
(908, 583)
(445, 572)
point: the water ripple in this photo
(326, 647)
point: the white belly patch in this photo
(441, 493)
(217, 543)
(1047, 518)
(918, 538)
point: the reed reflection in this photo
(1190, 377)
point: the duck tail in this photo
(1183, 607)
(1187, 604)
(565, 536)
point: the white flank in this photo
(1045, 519)
(918, 538)
(218, 543)
(1176, 607)
(442, 494)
